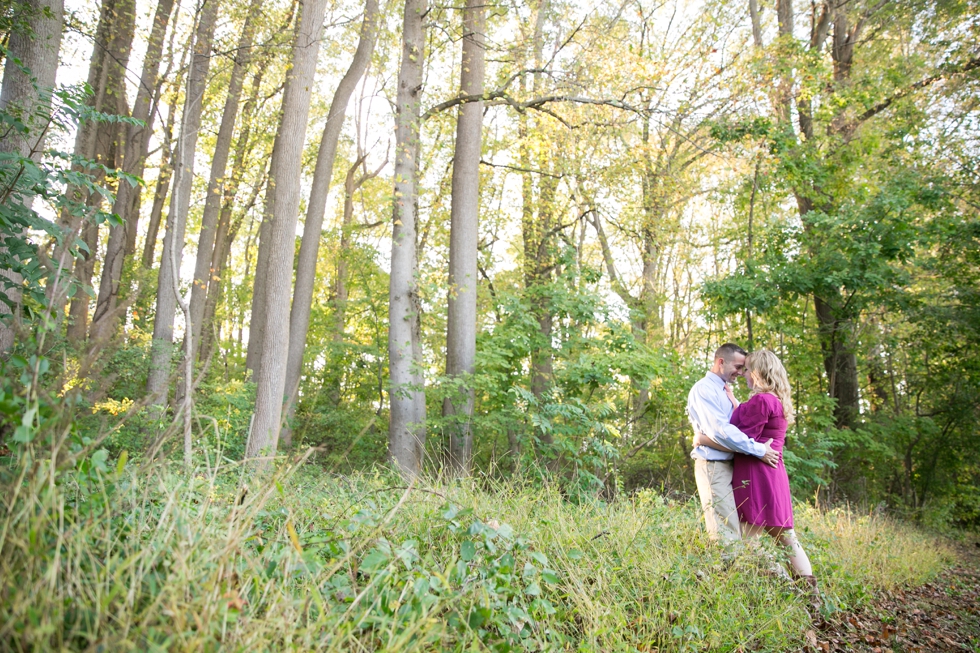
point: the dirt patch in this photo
(943, 615)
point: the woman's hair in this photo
(769, 375)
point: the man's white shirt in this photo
(710, 412)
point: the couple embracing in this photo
(737, 453)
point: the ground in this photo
(943, 615)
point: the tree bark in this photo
(406, 426)
(285, 191)
(160, 194)
(257, 313)
(37, 48)
(126, 206)
(165, 171)
(756, 23)
(173, 241)
(840, 362)
(204, 264)
(535, 229)
(102, 142)
(464, 228)
(226, 232)
(299, 319)
(256, 327)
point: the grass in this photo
(156, 559)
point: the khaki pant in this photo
(714, 480)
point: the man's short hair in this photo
(728, 351)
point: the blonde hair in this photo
(769, 375)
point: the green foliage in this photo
(25, 180)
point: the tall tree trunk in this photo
(37, 48)
(126, 206)
(285, 196)
(256, 327)
(204, 264)
(173, 241)
(406, 426)
(537, 214)
(539, 263)
(160, 193)
(165, 170)
(103, 142)
(299, 319)
(226, 233)
(836, 327)
(756, 23)
(840, 362)
(464, 228)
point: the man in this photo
(709, 406)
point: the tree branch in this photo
(948, 72)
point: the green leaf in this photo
(374, 561)
(467, 550)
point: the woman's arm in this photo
(702, 440)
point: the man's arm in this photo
(713, 420)
(770, 458)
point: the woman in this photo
(762, 492)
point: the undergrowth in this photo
(130, 558)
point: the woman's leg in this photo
(751, 534)
(798, 560)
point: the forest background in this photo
(370, 326)
(499, 239)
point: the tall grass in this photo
(158, 559)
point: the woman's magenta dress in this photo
(762, 492)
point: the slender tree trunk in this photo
(285, 187)
(756, 23)
(538, 274)
(126, 206)
(160, 194)
(173, 242)
(167, 157)
(464, 227)
(406, 427)
(204, 264)
(536, 233)
(256, 327)
(37, 48)
(225, 233)
(257, 319)
(299, 319)
(102, 142)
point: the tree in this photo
(461, 316)
(173, 242)
(282, 209)
(299, 319)
(26, 95)
(101, 141)
(126, 206)
(205, 263)
(820, 158)
(227, 230)
(406, 428)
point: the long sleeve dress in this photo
(762, 492)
